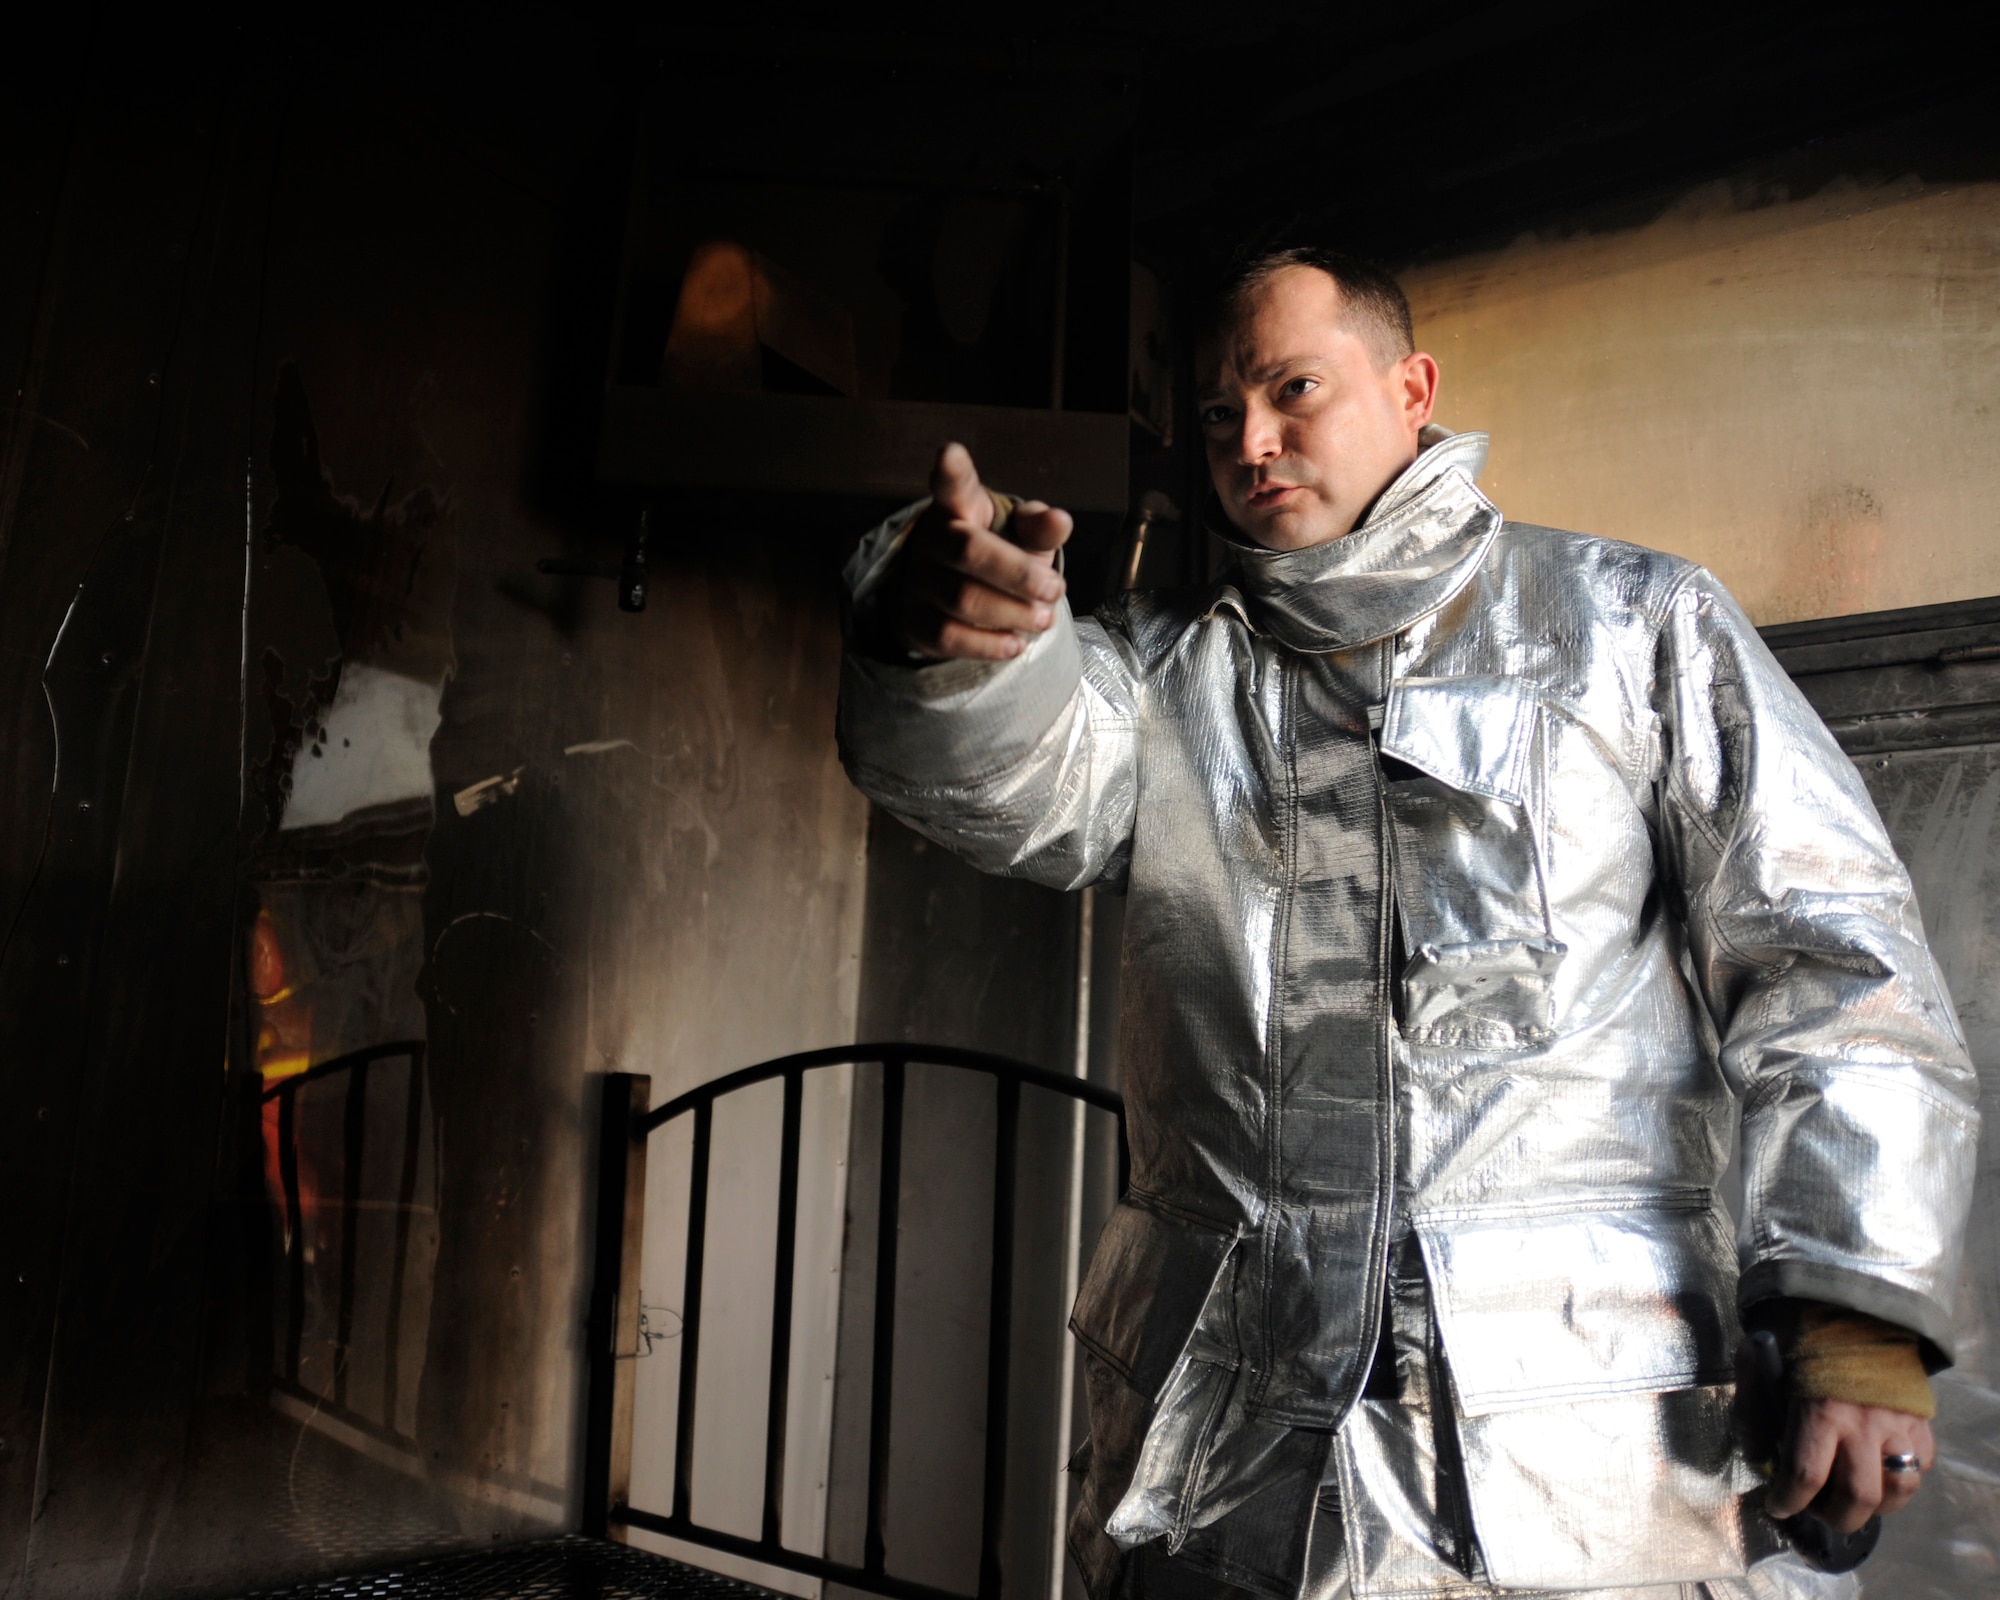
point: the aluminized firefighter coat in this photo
(1480, 876)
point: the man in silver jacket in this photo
(1487, 886)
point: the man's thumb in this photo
(955, 487)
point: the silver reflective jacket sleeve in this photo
(1023, 767)
(1837, 1034)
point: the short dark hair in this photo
(1369, 293)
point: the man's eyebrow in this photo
(1277, 369)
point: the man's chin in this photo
(1285, 528)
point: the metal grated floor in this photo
(569, 1568)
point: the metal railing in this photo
(356, 1065)
(614, 1310)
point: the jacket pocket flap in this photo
(1533, 1309)
(1599, 1494)
(1506, 958)
(1473, 734)
(1150, 1277)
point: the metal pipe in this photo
(406, 1199)
(1154, 507)
(999, 1335)
(875, 1549)
(781, 1311)
(1072, 1247)
(295, 1244)
(690, 1341)
(353, 1149)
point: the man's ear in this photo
(1420, 389)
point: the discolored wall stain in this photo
(1841, 550)
(1801, 393)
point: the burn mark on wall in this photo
(359, 738)
(334, 946)
(389, 569)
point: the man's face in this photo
(1304, 428)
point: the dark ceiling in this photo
(1404, 133)
(1404, 130)
(1481, 121)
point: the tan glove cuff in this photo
(1838, 1354)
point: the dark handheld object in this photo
(1765, 1409)
(629, 574)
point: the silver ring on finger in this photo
(1904, 1462)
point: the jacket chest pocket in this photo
(1480, 956)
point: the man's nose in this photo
(1259, 439)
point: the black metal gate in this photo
(614, 1315)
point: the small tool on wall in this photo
(629, 574)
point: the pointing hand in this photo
(961, 591)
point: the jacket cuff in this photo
(949, 723)
(1854, 1291)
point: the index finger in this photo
(1039, 526)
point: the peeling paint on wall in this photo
(487, 791)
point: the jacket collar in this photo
(1421, 544)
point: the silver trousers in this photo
(1151, 1574)
(1288, 1538)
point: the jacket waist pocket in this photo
(1152, 1273)
(1614, 1300)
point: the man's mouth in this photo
(1267, 495)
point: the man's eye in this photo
(1297, 386)
(1215, 416)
